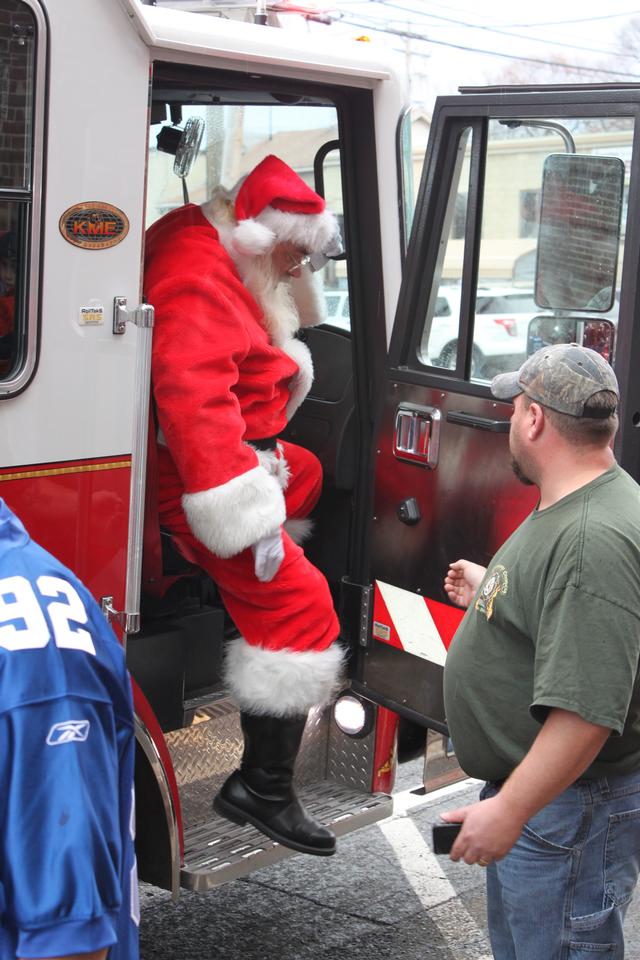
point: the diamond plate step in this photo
(219, 851)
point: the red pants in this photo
(294, 611)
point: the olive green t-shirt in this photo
(555, 623)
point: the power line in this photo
(535, 23)
(390, 5)
(410, 35)
(557, 23)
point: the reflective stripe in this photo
(412, 622)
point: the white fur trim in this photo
(301, 382)
(281, 683)
(299, 528)
(307, 292)
(229, 518)
(256, 236)
(311, 231)
(252, 238)
(274, 463)
(248, 238)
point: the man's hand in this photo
(563, 749)
(462, 581)
(268, 554)
(489, 830)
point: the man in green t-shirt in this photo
(541, 691)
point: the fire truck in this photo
(112, 113)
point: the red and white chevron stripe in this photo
(413, 623)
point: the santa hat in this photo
(274, 205)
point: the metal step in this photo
(218, 851)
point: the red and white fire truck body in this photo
(414, 448)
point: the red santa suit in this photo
(221, 380)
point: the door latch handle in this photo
(416, 434)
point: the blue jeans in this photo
(562, 891)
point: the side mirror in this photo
(598, 335)
(579, 237)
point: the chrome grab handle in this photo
(142, 316)
(416, 434)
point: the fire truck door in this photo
(444, 485)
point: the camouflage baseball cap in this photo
(562, 377)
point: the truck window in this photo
(515, 157)
(413, 133)
(503, 302)
(236, 138)
(21, 39)
(438, 345)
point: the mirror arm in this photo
(569, 142)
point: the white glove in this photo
(268, 555)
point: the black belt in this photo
(268, 443)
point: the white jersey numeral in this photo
(19, 602)
(60, 613)
(29, 630)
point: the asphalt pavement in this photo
(383, 895)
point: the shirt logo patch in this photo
(498, 583)
(69, 731)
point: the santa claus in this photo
(228, 373)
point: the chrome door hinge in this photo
(130, 622)
(365, 617)
(140, 316)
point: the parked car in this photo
(337, 303)
(500, 330)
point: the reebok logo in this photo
(69, 731)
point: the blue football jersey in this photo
(67, 864)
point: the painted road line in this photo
(407, 801)
(424, 872)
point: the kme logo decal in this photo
(68, 731)
(94, 225)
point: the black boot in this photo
(262, 793)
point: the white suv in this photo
(500, 329)
(337, 304)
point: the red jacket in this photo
(218, 381)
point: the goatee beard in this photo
(522, 477)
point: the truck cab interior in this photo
(207, 132)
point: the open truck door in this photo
(496, 268)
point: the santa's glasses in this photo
(297, 262)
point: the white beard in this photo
(273, 295)
(281, 320)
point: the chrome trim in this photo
(569, 142)
(130, 622)
(148, 745)
(218, 851)
(142, 317)
(17, 383)
(416, 434)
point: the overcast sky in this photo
(581, 32)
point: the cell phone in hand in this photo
(444, 836)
